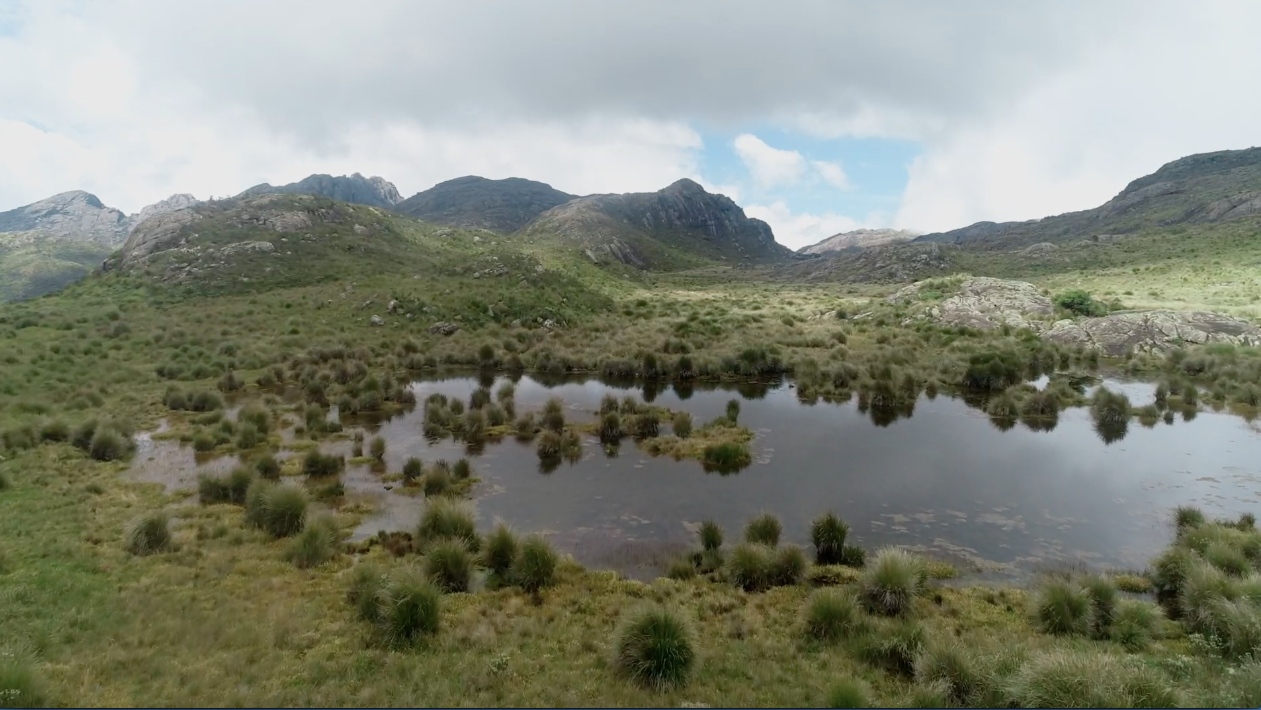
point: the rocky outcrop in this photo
(357, 189)
(1149, 331)
(858, 239)
(984, 303)
(645, 230)
(170, 204)
(158, 233)
(74, 215)
(478, 203)
(1234, 207)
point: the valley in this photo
(1041, 437)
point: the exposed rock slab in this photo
(1149, 331)
(157, 233)
(985, 303)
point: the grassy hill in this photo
(32, 267)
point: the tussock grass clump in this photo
(1133, 623)
(280, 510)
(727, 457)
(889, 584)
(19, 687)
(827, 534)
(525, 428)
(952, 666)
(54, 430)
(267, 467)
(316, 464)
(500, 550)
(247, 437)
(554, 415)
(1227, 558)
(646, 425)
(447, 519)
(549, 445)
(1108, 407)
(81, 438)
(436, 482)
(535, 565)
(1083, 679)
(1169, 574)
(789, 566)
(108, 445)
(449, 565)
(410, 608)
(608, 404)
(1186, 517)
(764, 529)
(462, 470)
(611, 428)
(231, 488)
(733, 410)
(681, 567)
(4, 482)
(150, 534)
(316, 544)
(655, 648)
(893, 644)
(1064, 609)
(833, 614)
(1103, 601)
(749, 566)
(377, 448)
(847, 693)
(412, 469)
(364, 592)
(682, 425)
(711, 535)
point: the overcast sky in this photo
(816, 116)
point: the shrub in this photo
(682, 425)
(727, 457)
(410, 608)
(847, 693)
(789, 566)
(108, 445)
(833, 614)
(500, 551)
(316, 544)
(1103, 601)
(462, 470)
(764, 529)
(952, 666)
(827, 534)
(1081, 303)
(447, 519)
(894, 644)
(655, 648)
(890, 583)
(150, 534)
(316, 464)
(1064, 609)
(449, 565)
(1133, 622)
(267, 467)
(412, 469)
(377, 448)
(749, 566)
(535, 565)
(365, 589)
(711, 535)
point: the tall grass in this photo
(449, 565)
(833, 614)
(447, 519)
(150, 534)
(534, 568)
(711, 535)
(410, 608)
(827, 534)
(500, 551)
(953, 666)
(656, 648)
(764, 529)
(889, 584)
(1065, 609)
(316, 544)
(749, 566)
(847, 693)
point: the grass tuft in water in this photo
(764, 529)
(827, 534)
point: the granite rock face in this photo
(357, 189)
(74, 215)
(985, 303)
(858, 239)
(1152, 331)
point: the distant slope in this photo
(858, 238)
(356, 189)
(677, 227)
(1198, 189)
(476, 202)
(75, 215)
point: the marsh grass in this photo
(955, 669)
(446, 519)
(1064, 608)
(710, 535)
(410, 608)
(150, 534)
(833, 614)
(890, 583)
(500, 551)
(847, 693)
(749, 566)
(316, 544)
(534, 568)
(764, 529)
(827, 534)
(449, 565)
(892, 644)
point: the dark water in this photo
(945, 480)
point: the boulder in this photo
(1152, 331)
(443, 328)
(376, 320)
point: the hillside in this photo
(476, 202)
(858, 239)
(373, 191)
(1198, 189)
(56, 241)
(676, 227)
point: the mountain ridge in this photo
(356, 189)
(858, 238)
(476, 202)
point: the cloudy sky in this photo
(818, 116)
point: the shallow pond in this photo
(944, 480)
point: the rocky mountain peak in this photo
(374, 191)
(179, 201)
(858, 238)
(69, 215)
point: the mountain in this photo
(356, 189)
(170, 204)
(859, 238)
(75, 215)
(1198, 189)
(679, 226)
(476, 202)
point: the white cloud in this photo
(796, 230)
(832, 174)
(769, 166)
